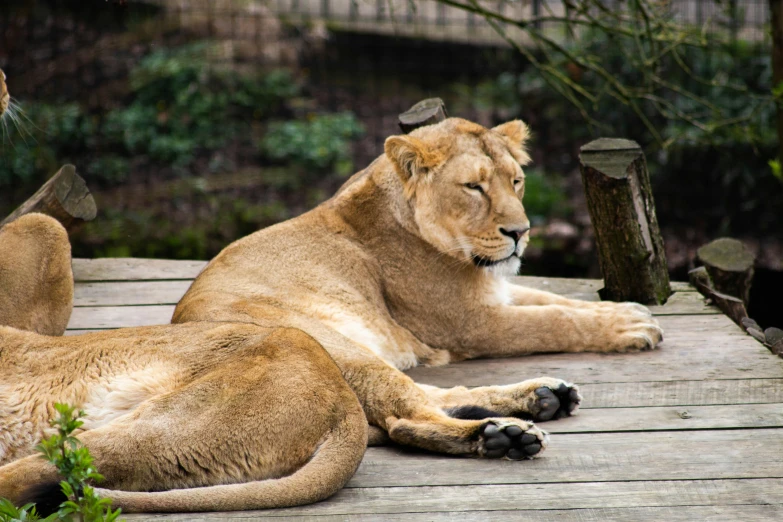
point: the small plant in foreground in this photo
(75, 464)
(26, 513)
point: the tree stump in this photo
(732, 306)
(426, 112)
(65, 197)
(730, 265)
(620, 201)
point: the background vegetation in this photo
(194, 127)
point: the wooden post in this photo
(730, 265)
(620, 201)
(65, 197)
(426, 112)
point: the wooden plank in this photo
(130, 293)
(534, 497)
(670, 418)
(567, 285)
(91, 317)
(636, 514)
(685, 303)
(169, 292)
(682, 393)
(605, 457)
(688, 357)
(134, 269)
(718, 360)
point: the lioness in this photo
(405, 265)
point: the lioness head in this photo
(465, 185)
(4, 96)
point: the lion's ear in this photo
(411, 157)
(516, 134)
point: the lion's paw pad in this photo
(511, 441)
(555, 403)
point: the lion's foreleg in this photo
(505, 331)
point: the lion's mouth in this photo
(483, 262)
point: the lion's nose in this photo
(515, 233)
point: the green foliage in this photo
(716, 141)
(40, 137)
(320, 143)
(183, 104)
(774, 166)
(26, 513)
(187, 112)
(544, 197)
(75, 464)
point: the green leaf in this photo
(774, 165)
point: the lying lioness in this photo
(405, 265)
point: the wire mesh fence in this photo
(372, 58)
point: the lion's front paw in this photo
(629, 327)
(556, 402)
(512, 439)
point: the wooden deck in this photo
(692, 431)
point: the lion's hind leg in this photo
(274, 425)
(510, 438)
(394, 403)
(539, 399)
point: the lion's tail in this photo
(333, 464)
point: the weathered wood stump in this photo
(730, 265)
(621, 206)
(732, 306)
(426, 112)
(64, 196)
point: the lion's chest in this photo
(370, 332)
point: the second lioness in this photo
(406, 265)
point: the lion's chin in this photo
(502, 268)
(506, 268)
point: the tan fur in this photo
(405, 265)
(36, 293)
(250, 417)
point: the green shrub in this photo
(184, 104)
(320, 143)
(544, 196)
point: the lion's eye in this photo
(517, 182)
(475, 186)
